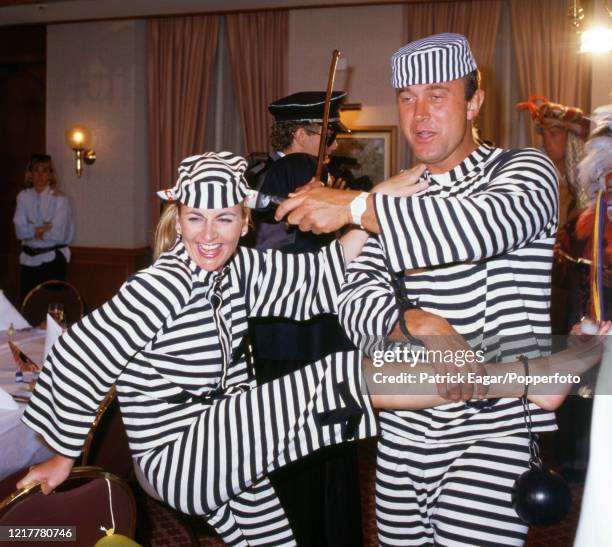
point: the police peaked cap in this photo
(308, 107)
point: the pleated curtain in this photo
(181, 53)
(258, 47)
(547, 57)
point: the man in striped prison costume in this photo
(200, 430)
(476, 248)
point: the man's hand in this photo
(318, 210)
(49, 474)
(324, 210)
(437, 334)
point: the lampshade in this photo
(78, 136)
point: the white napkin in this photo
(6, 401)
(54, 331)
(8, 315)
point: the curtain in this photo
(546, 48)
(258, 45)
(181, 52)
(478, 21)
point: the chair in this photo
(107, 445)
(36, 303)
(83, 501)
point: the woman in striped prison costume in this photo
(171, 341)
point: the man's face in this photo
(436, 121)
(311, 137)
(554, 139)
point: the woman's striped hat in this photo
(213, 180)
(432, 60)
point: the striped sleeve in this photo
(517, 205)
(295, 286)
(86, 360)
(367, 307)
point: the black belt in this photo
(33, 251)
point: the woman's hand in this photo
(404, 184)
(584, 352)
(49, 474)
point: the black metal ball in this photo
(540, 496)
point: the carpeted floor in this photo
(166, 528)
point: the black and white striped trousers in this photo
(240, 438)
(254, 517)
(449, 494)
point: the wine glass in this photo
(56, 310)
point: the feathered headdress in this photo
(546, 112)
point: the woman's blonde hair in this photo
(165, 232)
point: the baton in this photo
(328, 94)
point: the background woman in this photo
(43, 223)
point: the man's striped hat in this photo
(432, 60)
(213, 180)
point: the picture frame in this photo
(366, 155)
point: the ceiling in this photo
(14, 12)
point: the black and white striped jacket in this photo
(477, 249)
(161, 342)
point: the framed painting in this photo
(365, 156)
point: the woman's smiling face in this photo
(211, 235)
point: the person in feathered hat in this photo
(595, 176)
(563, 130)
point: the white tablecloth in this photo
(594, 524)
(19, 445)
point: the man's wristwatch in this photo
(358, 207)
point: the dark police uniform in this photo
(320, 493)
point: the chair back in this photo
(107, 445)
(36, 303)
(83, 501)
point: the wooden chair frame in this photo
(78, 473)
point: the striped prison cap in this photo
(309, 106)
(432, 60)
(213, 180)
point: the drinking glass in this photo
(56, 310)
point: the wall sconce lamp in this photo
(78, 137)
